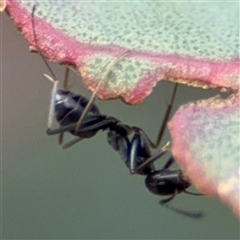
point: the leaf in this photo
(206, 144)
(195, 43)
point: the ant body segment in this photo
(138, 158)
(82, 118)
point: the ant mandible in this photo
(81, 117)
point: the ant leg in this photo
(61, 129)
(36, 43)
(65, 82)
(195, 194)
(165, 201)
(168, 163)
(164, 123)
(150, 160)
(91, 100)
(65, 86)
(52, 79)
(195, 215)
(133, 169)
(71, 142)
(52, 101)
(61, 138)
(138, 145)
(166, 118)
(102, 124)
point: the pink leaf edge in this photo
(132, 86)
(205, 142)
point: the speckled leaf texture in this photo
(206, 143)
(195, 43)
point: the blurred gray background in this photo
(85, 192)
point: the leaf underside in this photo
(189, 42)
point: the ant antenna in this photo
(52, 79)
(36, 43)
(195, 215)
(91, 100)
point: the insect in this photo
(136, 154)
(82, 118)
(75, 113)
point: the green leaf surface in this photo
(195, 43)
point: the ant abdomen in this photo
(69, 107)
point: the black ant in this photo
(81, 117)
(139, 160)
